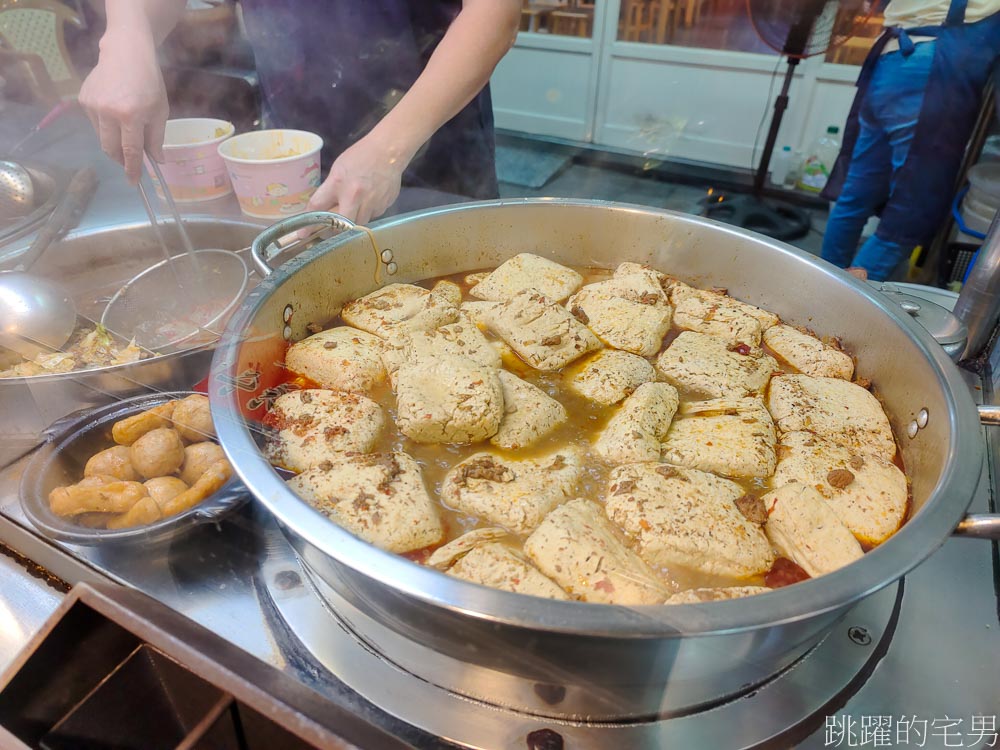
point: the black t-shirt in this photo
(335, 67)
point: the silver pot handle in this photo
(983, 525)
(261, 247)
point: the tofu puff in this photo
(341, 359)
(630, 312)
(807, 531)
(480, 557)
(399, 308)
(509, 493)
(832, 409)
(867, 493)
(379, 497)
(609, 376)
(730, 437)
(462, 339)
(635, 431)
(316, 425)
(527, 271)
(529, 413)
(687, 518)
(719, 315)
(808, 354)
(541, 332)
(710, 367)
(581, 550)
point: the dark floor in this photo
(580, 180)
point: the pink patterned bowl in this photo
(274, 172)
(193, 169)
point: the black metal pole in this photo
(780, 105)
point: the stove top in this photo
(917, 663)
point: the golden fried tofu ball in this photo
(113, 462)
(197, 458)
(193, 419)
(157, 453)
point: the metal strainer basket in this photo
(178, 302)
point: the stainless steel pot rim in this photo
(920, 536)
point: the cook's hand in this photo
(363, 182)
(126, 100)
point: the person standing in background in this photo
(397, 89)
(919, 94)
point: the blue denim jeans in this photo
(888, 121)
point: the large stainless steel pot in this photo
(92, 265)
(593, 661)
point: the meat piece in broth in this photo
(711, 367)
(316, 425)
(687, 518)
(697, 596)
(634, 433)
(398, 308)
(529, 413)
(579, 548)
(868, 494)
(730, 437)
(480, 558)
(509, 493)
(542, 333)
(462, 339)
(832, 409)
(379, 497)
(719, 315)
(803, 528)
(527, 271)
(808, 354)
(341, 359)
(609, 376)
(630, 312)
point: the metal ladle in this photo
(37, 315)
(17, 191)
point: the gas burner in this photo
(785, 709)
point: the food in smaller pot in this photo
(150, 474)
(88, 347)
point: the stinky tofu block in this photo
(833, 409)
(529, 413)
(711, 367)
(719, 314)
(687, 518)
(869, 494)
(808, 354)
(630, 312)
(379, 497)
(730, 437)
(803, 528)
(634, 433)
(582, 551)
(541, 332)
(315, 425)
(511, 493)
(341, 359)
(448, 399)
(488, 562)
(609, 376)
(719, 594)
(462, 339)
(399, 308)
(527, 271)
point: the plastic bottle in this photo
(819, 163)
(780, 166)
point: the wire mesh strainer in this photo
(17, 191)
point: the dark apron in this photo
(336, 67)
(964, 55)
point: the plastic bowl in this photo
(274, 172)
(193, 169)
(60, 462)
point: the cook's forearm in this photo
(142, 20)
(461, 65)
